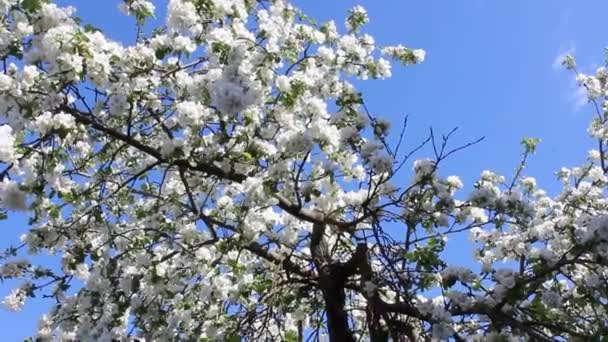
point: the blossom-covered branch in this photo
(222, 178)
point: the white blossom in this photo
(15, 300)
(223, 175)
(11, 197)
(7, 144)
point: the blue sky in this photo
(490, 70)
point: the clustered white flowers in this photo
(221, 178)
(7, 144)
(15, 300)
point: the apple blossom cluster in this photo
(222, 179)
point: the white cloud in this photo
(574, 96)
(578, 97)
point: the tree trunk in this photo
(332, 284)
(332, 278)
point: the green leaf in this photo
(234, 338)
(16, 49)
(90, 28)
(161, 53)
(54, 212)
(248, 157)
(32, 6)
(291, 336)
(222, 50)
(569, 62)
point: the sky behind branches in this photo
(492, 69)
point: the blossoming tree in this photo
(221, 179)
